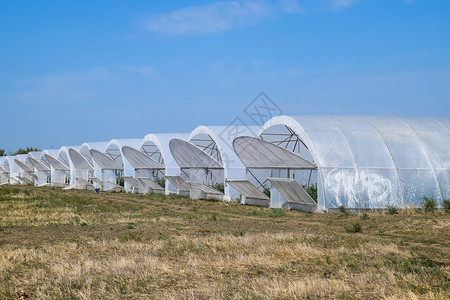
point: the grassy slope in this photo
(80, 245)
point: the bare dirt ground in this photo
(58, 244)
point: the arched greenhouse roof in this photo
(38, 165)
(223, 137)
(161, 141)
(55, 163)
(104, 161)
(260, 154)
(189, 155)
(372, 162)
(79, 161)
(2, 165)
(139, 160)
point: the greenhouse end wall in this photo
(373, 162)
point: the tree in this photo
(2, 152)
(24, 151)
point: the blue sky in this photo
(76, 71)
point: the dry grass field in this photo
(58, 244)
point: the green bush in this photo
(161, 182)
(120, 181)
(24, 151)
(312, 191)
(354, 227)
(392, 210)
(342, 209)
(365, 216)
(220, 187)
(429, 204)
(446, 205)
(266, 191)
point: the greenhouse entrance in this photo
(60, 171)
(201, 170)
(288, 178)
(146, 172)
(110, 172)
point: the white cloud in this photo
(219, 16)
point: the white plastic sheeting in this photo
(160, 149)
(38, 165)
(293, 195)
(189, 155)
(222, 137)
(81, 169)
(4, 170)
(85, 151)
(105, 162)
(259, 154)
(23, 166)
(250, 193)
(139, 160)
(42, 171)
(372, 162)
(78, 160)
(60, 173)
(55, 163)
(10, 165)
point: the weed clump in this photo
(277, 212)
(429, 204)
(365, 216)
(253, 213)
(239, 233)
(392, 210)
(213, 216)
(354, 227)
(446, 205)
(9, 190)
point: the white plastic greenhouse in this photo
(367, 161)
(207, 159)
(310, 163)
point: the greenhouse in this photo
(258, 154)
(82, 170)
(110, 171)
(310, 163)
(156, 146)
(207, 161)
(42, 171)
(24, 170)
(60, 172)
(4, 171)
(366, 162)
(145, 170)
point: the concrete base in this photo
(256, 201)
